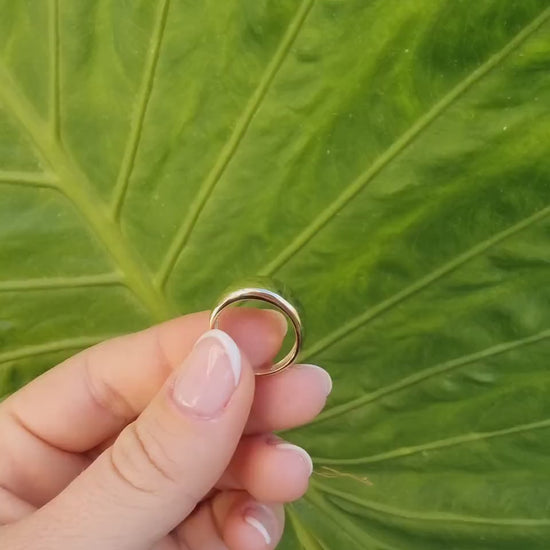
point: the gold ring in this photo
(278, 296)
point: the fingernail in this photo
(279, 319)
(261, 518)
(282, 445)
(208, 377)
(327, 380)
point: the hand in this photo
(159, 440)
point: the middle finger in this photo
(289, 399)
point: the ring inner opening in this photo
(287, 341)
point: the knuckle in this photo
(139, 459)
(155, 452)
(106, 396)
(125, 467)
(161, 357)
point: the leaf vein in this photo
(54, 53)
(31, 179)
(25, 352)
(138, 119)
(304, 535)
(361, 537)
(229, 149)
(425, 374)
(74, 184)
(437, 445)
(62, 283)
(399, 145)
(421, 284)
(430, 517)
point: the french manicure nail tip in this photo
(208, 377)
(261, 519)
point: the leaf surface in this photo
(388, 160)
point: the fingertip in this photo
(253, 525)
(286, 472)
(259, 333)
(270, 469)
(306, 464)
(290, 399)
(320, 374)
(278, 321)
(231, 349)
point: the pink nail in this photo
(283, 445)
(262, 520)
(209, 375)
(327, 380)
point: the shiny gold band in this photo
(278, 301)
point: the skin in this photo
(102, 452)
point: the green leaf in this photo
(387, 159)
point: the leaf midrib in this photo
(75, 186)
(104, 218)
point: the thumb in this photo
(162, 464)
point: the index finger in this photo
(94, 394)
